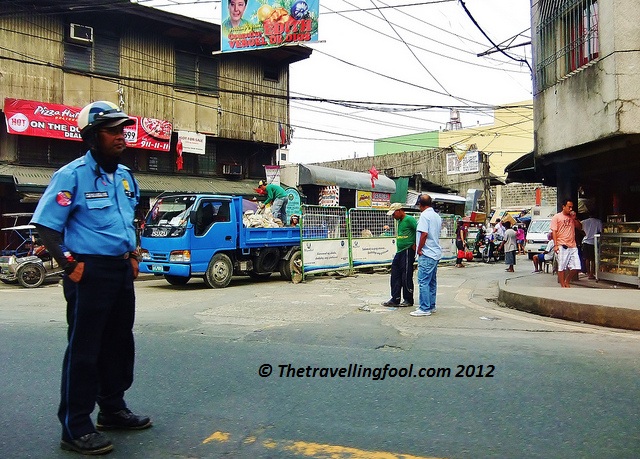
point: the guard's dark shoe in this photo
(391, 303)
(405, 304)
(122, 420)
(92, 444)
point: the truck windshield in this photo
(168, 217)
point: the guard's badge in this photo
(63, 198)
(127, 189)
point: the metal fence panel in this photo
(324, 239)
(334, 239)
(372, 237)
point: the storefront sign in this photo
(373, 199)
(55, 121)
(192, 142)
(329, 196)
(254, 25)
(273, 174)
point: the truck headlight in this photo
(144, 254)
(180, 256)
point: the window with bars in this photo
(196, 73)
(567, 37)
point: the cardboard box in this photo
(508, 218)
(478, 217)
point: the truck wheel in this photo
(219, 271)
(30, 275)
(176, 280)
(291, 266)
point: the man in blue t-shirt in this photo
(429, 254)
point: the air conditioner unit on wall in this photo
(80, 34)
(232, 169)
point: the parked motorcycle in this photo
(492, 251)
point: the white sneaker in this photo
(419, 313)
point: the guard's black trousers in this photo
(98, 362)
(402, 275)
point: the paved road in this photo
(548, 388)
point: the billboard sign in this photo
(250, 25)
(56, 121)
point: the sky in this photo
(386, 63)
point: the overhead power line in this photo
(466, 10)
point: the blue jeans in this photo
(427, 282)
(279, 209)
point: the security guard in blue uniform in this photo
(86, 220)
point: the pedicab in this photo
(25, 260)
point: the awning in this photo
(523, 170)
(412, 198)
(327, 176)
(31, 180)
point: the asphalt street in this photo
(480, 380)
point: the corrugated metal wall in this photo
(27, 45)
(253, 106)
(147, 60)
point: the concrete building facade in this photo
(587, 102)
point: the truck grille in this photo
(159, 256)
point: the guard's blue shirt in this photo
(94, 213)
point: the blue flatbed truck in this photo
(202, 235)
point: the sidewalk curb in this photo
(594, 314)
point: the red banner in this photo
(55, 121)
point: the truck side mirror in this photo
(192, 217)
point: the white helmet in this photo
(101, 114)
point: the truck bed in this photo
(269, 237)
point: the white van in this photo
(536, 239)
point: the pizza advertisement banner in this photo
(253, 25)
(56, 121)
